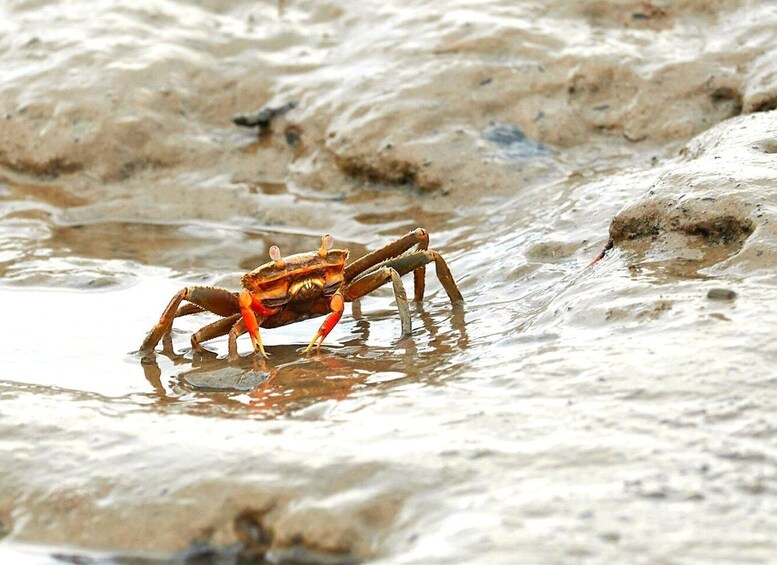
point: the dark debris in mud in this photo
(769, 147)
(729, 97)
(254, 536)
(258, 542)
(263, 118)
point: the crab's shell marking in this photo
(269, 282)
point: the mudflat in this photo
(622, 411)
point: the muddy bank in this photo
(242, 505)
(714, 205)
(417, 112)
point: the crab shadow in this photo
(290, 380)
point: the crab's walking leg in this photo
(251, 322)
(188, 309)
(411, 261)
(216, 329)
(418, 236)
(337, 305)
(217, 300)
(445, 277)
(237, 330)
(369, 282)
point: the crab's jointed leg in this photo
(216, 329)
(249, 307)
(369, 282)
(411, 262)
(188, 309)
(418, 236)
(237, 330)
(337, 305)
(217, 300)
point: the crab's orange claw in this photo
(337, 306)
(602, 253)
(252, 324)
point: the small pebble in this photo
(721, 294)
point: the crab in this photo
(302, 286)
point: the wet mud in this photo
(566, 413)
(712, 199)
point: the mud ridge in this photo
(48, 169)
(396, 172)
(254, 537)
(716, 194)
(693, 218)
(260, 535)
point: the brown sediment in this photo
(5, 525)
(179, 120)
(53, 194)
(382, 170)
(716, 224)
(727, 95)
(138, 165)
(762, 103)
(769, 146)
(715, 195)
(253, 535)
(760, 85)
(46, 169)
(229, 519)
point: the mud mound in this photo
(720, 194)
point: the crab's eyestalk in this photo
(275, 255)
(326, 245)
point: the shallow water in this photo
(564, 413)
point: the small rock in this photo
(721, 294)
(227, 379)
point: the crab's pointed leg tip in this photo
(313, 342)
(147, 358)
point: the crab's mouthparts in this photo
(309, 289)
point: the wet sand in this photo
(623, 411)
